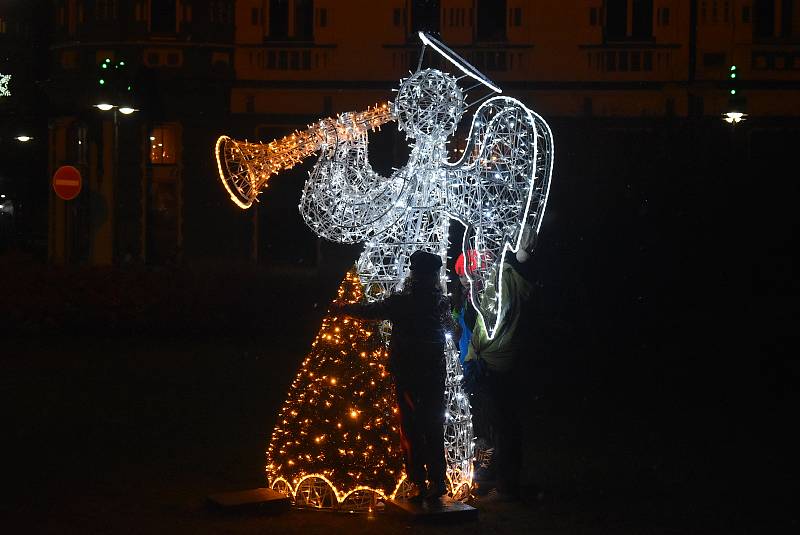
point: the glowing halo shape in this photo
(462, 64)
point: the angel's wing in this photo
(499, 185)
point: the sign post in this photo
(67, 182)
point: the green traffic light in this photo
(102, 81)
(733, 75)
(733, 91)
(108, 60)
(733, 67)
(103, 65)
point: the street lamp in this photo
(734, 117)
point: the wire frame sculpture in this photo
(498, 186)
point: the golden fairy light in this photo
(245, 167)
(336, 443)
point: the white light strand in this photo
(5, 82)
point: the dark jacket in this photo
(419, 324)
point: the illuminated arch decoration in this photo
(499, 185)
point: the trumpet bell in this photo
(234, 172)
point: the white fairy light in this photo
(5, 81)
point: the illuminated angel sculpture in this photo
(499, 184)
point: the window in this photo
(491, 20)
(288, 60)
(255, 16)
(163, 145)
(105, 10)
(616, 19)
(163, 16)
(2, 25)
(623, 61)
(77, 146)
(592, 16)
(764, 18)
(663, 16)
(703, 11)
(220, 12)
(746, 14)
(187, 12)
(726, 11)
(515, 17)
(163, 58)
(456, 16)
(279, 19)
(642, 20)
(304, 20)
(647, 61)
(790, 18)
(323, 17)
(396, 17)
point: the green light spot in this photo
(129, 88)
(733, 67)
(108, 60)
(733, 91)
(733, 75)
(102, 81)
(104, 65)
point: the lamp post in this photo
(115, 109)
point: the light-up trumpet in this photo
(245, 167)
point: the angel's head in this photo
(429, 104)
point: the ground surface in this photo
(130, 436)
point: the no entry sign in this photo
(67, 182)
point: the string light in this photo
(245, 168)
(5, 81)
(336, 444)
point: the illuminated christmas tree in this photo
(336, 442)
(337, 439)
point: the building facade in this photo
(258, 69)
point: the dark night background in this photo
(663, 372)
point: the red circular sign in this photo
(67, 182)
